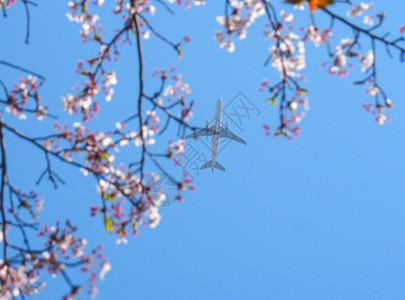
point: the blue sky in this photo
(320, 217)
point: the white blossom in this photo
(152, 9)
(368, 20)
(146, 34)
(154, 216)
(199, 2)
(78, 127)
(110, 78)
(367, 60)
(109, 94)
(105, 268)
(381, 118)
(373, 90)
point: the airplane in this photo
(217, 131)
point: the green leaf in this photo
(105, 155)
(303, 91)
(272, 101)
(109, 197)
(108, 224)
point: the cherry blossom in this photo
(373, 90)
(289, 18)
(357, 10)
(367, 61)
(368, 20)
(175, 147)
(316, 35)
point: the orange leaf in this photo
(318, 3)
(312, 3)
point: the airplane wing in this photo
(202, 132)
(226, 133)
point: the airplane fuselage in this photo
(216, 131)
(215, 136)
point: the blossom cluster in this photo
(316, 35)
(176, 148)
(28, 202)
(64, 248)
(80, 13)
(22, 271)
(178, 90)
(18, 99)
(83, 102)
(377, 109)
(284, 57)
(287, 53)
(292, 111)
(243, 14)
(128, 199)
(189, 3)
(359, 9)
(123, 188)
(173, 94)
(138, 7)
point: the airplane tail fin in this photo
(209, 165)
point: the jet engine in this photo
(207, 123)
(226, 125)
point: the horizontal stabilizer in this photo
(219, 166)
(209, 165)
